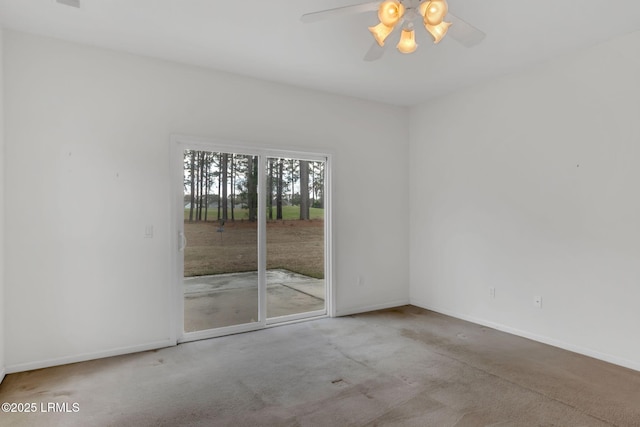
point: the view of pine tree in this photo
(304, 189)
(279, 188)
(229, 181)
(224, 169)
(233, 199)
(317, 184)
(252, 187)
(200, 183)
(270, 190)
(208, 182)
(192, 180)
(292, 172)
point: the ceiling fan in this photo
(403, 15)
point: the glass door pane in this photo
(221, 240)
(295, 237)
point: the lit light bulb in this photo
(390, 12)
(422, 9)
(438, 31)
(380, 33)
(434, 11)
(407, 43)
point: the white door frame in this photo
(181, 142)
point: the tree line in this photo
(223, 181)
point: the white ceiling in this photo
(265, 39)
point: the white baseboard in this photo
(2, 374)
(21, 367)
(539, 338)
(366, 308)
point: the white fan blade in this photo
(375, 52)
(463, 32)
(72, 3)
(340, 11)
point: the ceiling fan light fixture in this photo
(403, 15)
(438, 31)
(390, 12)
(434, 11)
(407, 43)
(380, 33)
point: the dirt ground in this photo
(293, 245)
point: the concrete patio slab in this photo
(231, 299)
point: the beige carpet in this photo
(400, 367)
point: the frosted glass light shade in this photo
(407, 43)
(380, 33)
(438, 31)
(390, 12)
(434, 11)
(422, 9)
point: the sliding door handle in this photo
(183, 242)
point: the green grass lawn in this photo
(288, 213)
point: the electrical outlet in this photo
(537, 302)
(492, 292)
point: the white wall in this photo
(2, 307)
(87, 162)
(530, 185)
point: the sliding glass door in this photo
(295, 238)
(252, 233)
(221, 240)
